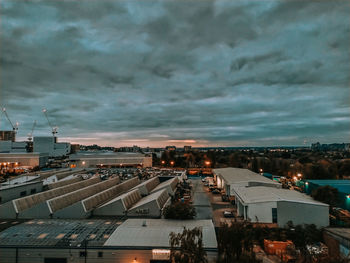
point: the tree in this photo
(187, 247)
(326, 194)
(179, 210)
(233, 240)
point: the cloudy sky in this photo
(201, 73)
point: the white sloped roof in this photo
(258, 194)
(237, 175)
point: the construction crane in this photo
(53, 129)
(14, 127)
(30, 135)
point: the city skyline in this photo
(157, 73)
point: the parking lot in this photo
(209, 205)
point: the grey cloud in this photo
(211, 71)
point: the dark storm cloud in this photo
(159, 72)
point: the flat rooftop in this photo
(238, 175)
(259, 194)
(155, 234)
(58, 233)
(104, 155)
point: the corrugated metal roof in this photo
(149, 198)
(258, 194)
(237, 175)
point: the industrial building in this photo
(151, 206)
(228, 178)
(109, 159)
(338, 242)
(29, 160)
(75, 197)
(14, 191)
(8, 136)
(29, 207)
(151, 238)
(170, 185)
(274, 205)
(343, 187)
(94, 241)
(50, 146)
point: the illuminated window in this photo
(161, 254)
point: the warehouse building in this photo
(29, 160)
(338, 242)
(50, 146)
(98, 241)
(274, 205)
(29, 207)
(151, 238)
(343, 187)
(14, 191)
(109, 159)
(228, 178)
(147, 186)
(150, 206)
(119, 205)
(170, 185)
(84, 207)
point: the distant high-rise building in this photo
(8, 136)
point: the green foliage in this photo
(326, 194)
(187, 247)
(179, 210)
(233, 240)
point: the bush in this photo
(179, 210)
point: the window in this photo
(23, 193)
(100, 254)
(83, 254)
(33, 191)
(274, 215)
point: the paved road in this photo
(201, 201)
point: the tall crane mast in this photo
(30, 135)
(53, 129)
(14, 127)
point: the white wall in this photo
(302, 213)
(30, 255)
(261, 212)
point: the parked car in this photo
(216, 191)
(228, 214)
(225, 198)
